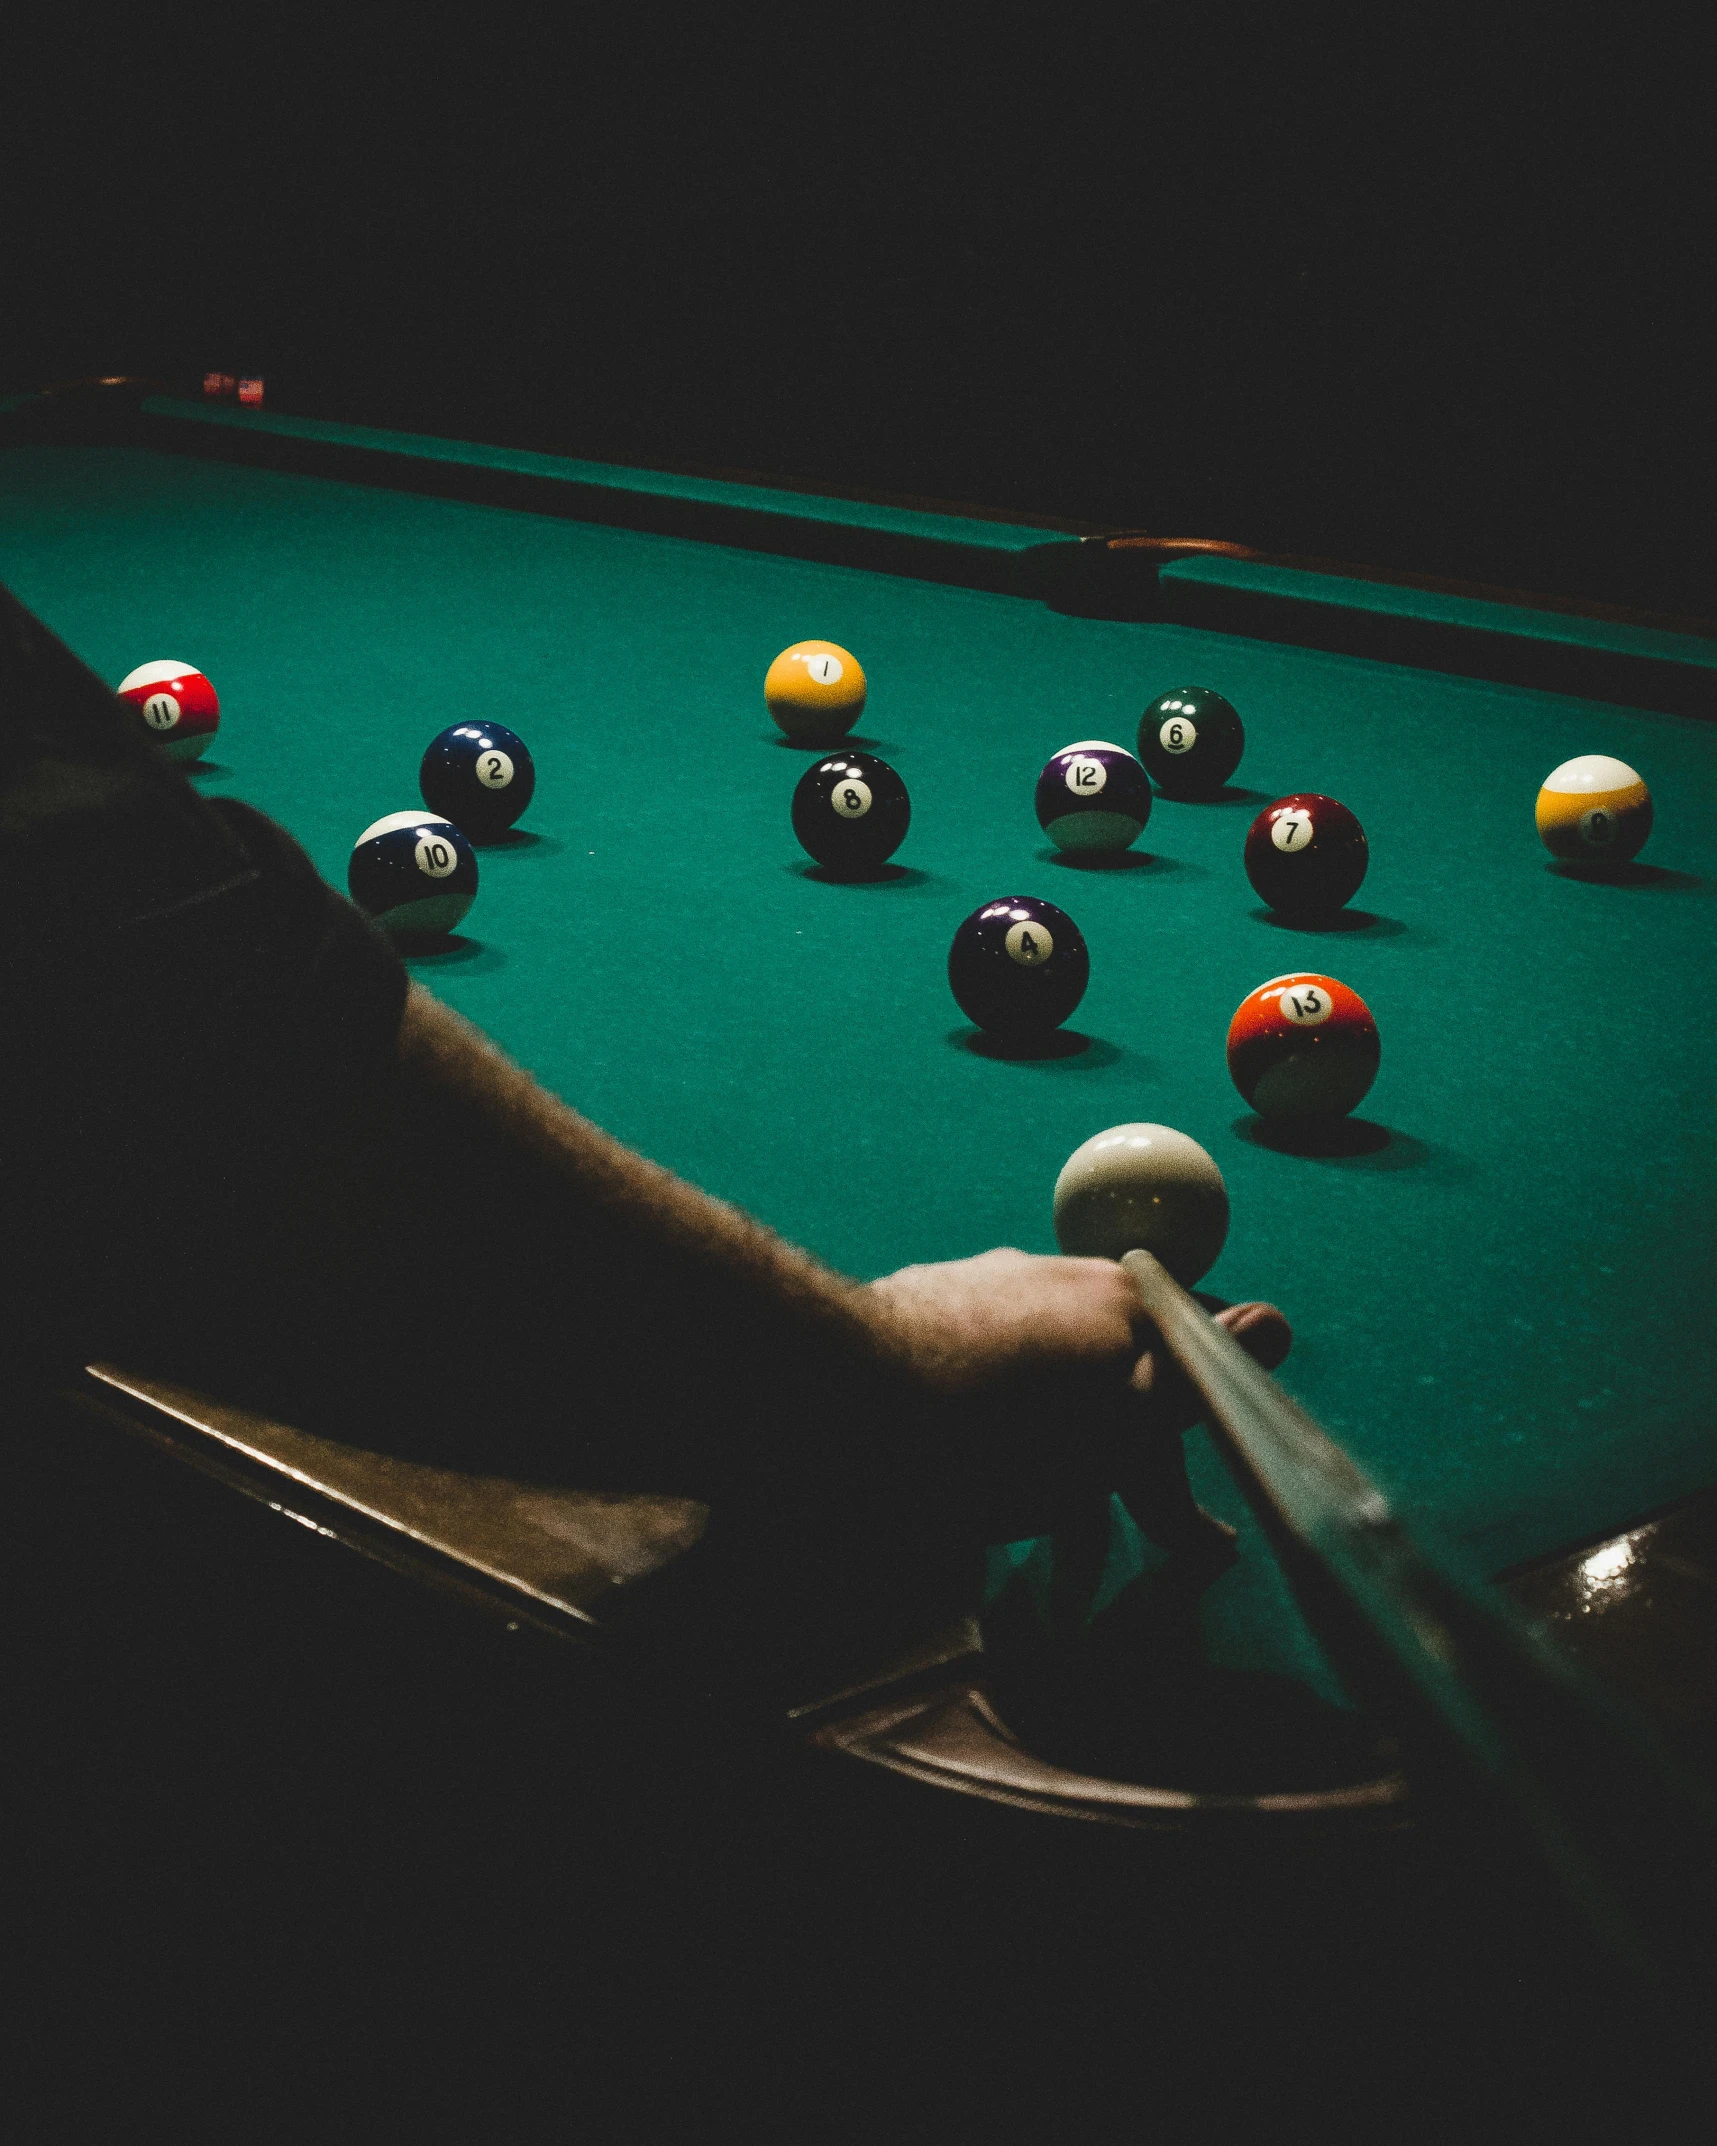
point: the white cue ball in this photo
(1143, 1188)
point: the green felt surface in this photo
(615, 477)
(1439, 607)
(1502, 1310)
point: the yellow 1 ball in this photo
(815, 690)
(1594, 811)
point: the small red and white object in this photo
(250, 391)
(218, 384)
(1303, 1046)
(176, 705)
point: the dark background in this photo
(1417, 287)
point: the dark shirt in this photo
(184, 1005)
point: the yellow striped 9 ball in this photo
(1594, 811)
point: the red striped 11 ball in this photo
(480, 776)
(1191, 740)
(414, 872)
(1303, 1046)
(1018, 966)
(1306, 855)
(176, 705)
(1093, 796)
(851, 813)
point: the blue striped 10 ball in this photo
(414, 872)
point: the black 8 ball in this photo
(851, 812)
(1018, 966)
(1190, 741)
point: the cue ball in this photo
(1306, 855)
(1594, 811)
(414, 872)
(815, 691)
(1143, 1188)
(1191, 740)
(851, 812)
(480, 776)
(1093, 796)
(175, 704)
(1303, 1046)
(1018, 966)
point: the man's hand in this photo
(1045, 1370)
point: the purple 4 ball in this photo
(1018, 966)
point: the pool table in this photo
(1498, 1271)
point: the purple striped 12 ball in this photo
(1093, 796)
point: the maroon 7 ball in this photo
(1306, 855)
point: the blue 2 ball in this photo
(480, 776)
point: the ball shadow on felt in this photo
(872, 875)
(1334, 923)
(1334, 1140)
(1116, 860)
(447, 950)
(1635, 875)
(1060, 1046)
(518, 842)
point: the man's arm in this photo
(471, 1269)
(240, 1151)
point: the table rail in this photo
(1591, 651)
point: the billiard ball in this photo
(815, 690)
(1306, 855)
(1594, 811)
(1191, 740)
(1143, 1188)
(851, 812)
(177, 705)
(1018, 966)
(480, 776)
(414, 872)
(1093, 796)
(1303, 1046)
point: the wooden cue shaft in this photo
(1487, 1705)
